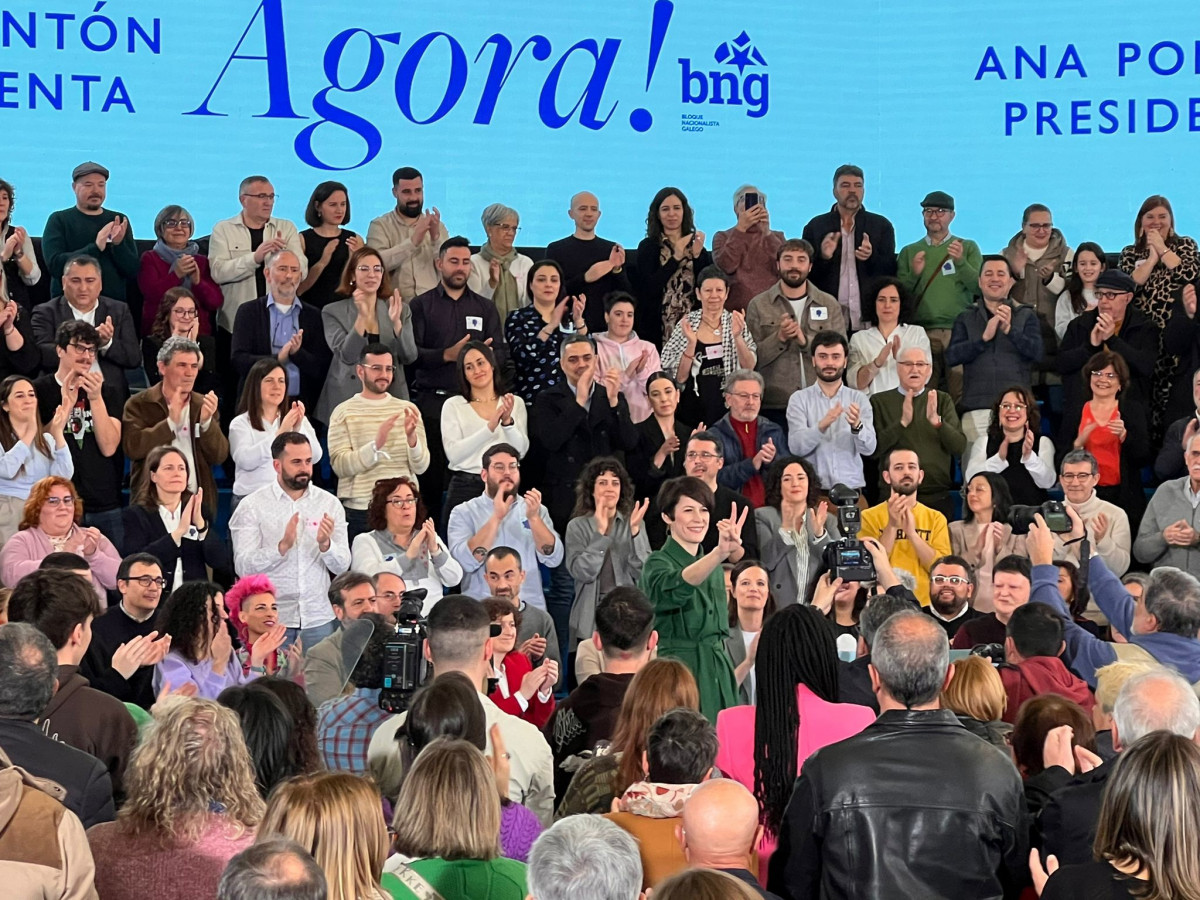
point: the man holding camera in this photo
(326, 667)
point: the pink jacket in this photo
(621, 356)
(25, 550)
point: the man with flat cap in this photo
(942, 272)
(89, 229)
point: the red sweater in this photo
(155, 278)
(515, 667)
(747, 434)
(1041, 675)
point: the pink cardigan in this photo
(25, 550)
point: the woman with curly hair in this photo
(254, 613)
(605, 542)
(303, 752)
(190, 806)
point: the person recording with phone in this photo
(747, 251)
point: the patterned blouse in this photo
(536, 360)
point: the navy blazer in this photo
(145, 532)
(125, 352)
(252, 341)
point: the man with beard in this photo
(829, 424)
(295, 533)
(592, 266)
(443, 320)
(502, 517)
(88, 229)
(783, 320)
(408, 237)
(365, 446)
(951, 587)
(537, 637)
(913, 534)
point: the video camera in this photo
(848, 558)
(403, 659)
(1053, 511)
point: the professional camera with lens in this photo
(1053, 511)
(403, 658)
(848, 558)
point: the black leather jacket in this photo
(915, 806)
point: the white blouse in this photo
(251, 452)
(866, 345)
(465, 435)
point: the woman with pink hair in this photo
(253, 611)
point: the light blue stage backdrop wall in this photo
(524, 102)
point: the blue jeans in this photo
(110, 525)
(310, 637)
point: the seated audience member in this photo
(402, 540)
(984, 534)
(950, 790)
(680, 750)
(81, 300)
(172, 413)
(28, 676)
(267, 727)
(703, 460)
(793, 529)
(797, 697)
(535, 333)
(1079, 297)
(748, 441)
(346, 723)
(201, 651)
(996, 342)
(922, 421)
(1154, 783)
(176, 317)
(303, 753)
(175, 261)
(504, 577)
(502, 517)
(976, 695)
(662, 439)
(1170, 462)
(687, 588)
(93, 423)
(952, 583)
(1167, 536)
(254, 612)
(748, 251)
(61, 607)
(459, 640)
(1034, 721)
(327, 668)
(912, 534)
(1032, 666)
(585, 858)
(274, 868)
(1011, 586)
(719, 830)
(606, 541)
(521, 690)
(625, 640)
(482, 416)
(268, 539)
(620, 348)
(167, 520)
(1107, 523)
(29, 450)
(830, 424)
(447, 828)
(125, 646)
(337, 818)
(888, 308)
(364, 443)
(498, 271)
(190, 806)
(263, 413)
(51, 525)
(784, 320)
(1154, 699)
(1014, 448)
(1162, 625)
(668, 259)
(707, 347)
(366, 310)
(751, 604)
(658, 687)
(1113, 426)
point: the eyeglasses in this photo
(82, 349)
(1012, 407)
(507, 229)
(949, 579)
(501, 467)
(402, 502)
(389, 596)
(1107, 376)
(1076, 476)
(260, 196)
(147, 580)
(184, 313)
(60, 501)
(177, 223)
(1108, 295)
(935, 211)
(742, 395)
(694, 454)
(1041, 226)
(378, 270)
(909, 364)
(378, 369)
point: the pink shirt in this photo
(622, 356)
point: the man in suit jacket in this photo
(81, 300)
(578, 419)
(280, 325)
(171, 413)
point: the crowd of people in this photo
(781, 567)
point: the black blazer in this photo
(146, 533)
(1071, 812)
(27, 360)
(123, 354)
(1181, 338)
(827, 272)
(252, 341)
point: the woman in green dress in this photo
(687, 589)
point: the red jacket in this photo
(516, 667)
(155, 278)
(1042, 675)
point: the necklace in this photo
(486, 400)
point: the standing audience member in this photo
(1180, 338)
(29, 451)
(1039, 256)
(175, 261)
(633, 357)
(1032, 666)
(328, 663)
(719, 830)
(984, 534)
(793, 529)
(273, 869)
(1170, 462)
(585, 858)
(662, 439)
(667, 262)
(267, 727)
(748, 441)
(1014, 447)
(750, 605)
(703, 460)
(748, 250)
(326, 243)
(1079, 297)
(888, 308)
(18, 263)
(408, 236)
(535, 332)
(537, 636)
(498, 271)
(254, 613)
(976, 696)
(592, 267)
(177, 317)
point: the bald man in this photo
(592, 266)
(720, 829)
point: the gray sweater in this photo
(1169, 504)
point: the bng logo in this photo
(723, 86)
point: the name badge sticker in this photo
(474, 323)
(714, 351)
(818, 313)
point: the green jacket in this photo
(464, 879)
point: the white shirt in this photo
(1039, 464)
(171, 520)
(465, 434)
(251, 452)
(182, 442)
(301, 577)
(748, 639)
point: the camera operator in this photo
(351, 595)
(345, 724)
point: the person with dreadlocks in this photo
(797, 691)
